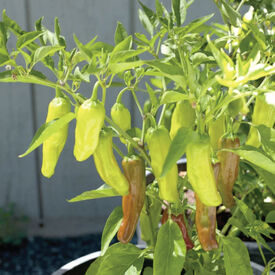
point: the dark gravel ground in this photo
(40, 256)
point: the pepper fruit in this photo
(183, 116)
(179, 219)
(53, 146)
(206, 220)
(216, 130)
(264, 113)
(229, 170)
(107, 165)
(89, 121)
(134, 170)
(200, 171)
(158, 141)
(121, 116)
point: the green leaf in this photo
(267, 139)
(270, 217)
(124, 45)
(236, 257)
(120, 33)
(256, 157)
(93, 268)
(177, 148)
(247, 212)
(267, 177)
(111, 227)
(200, 57)
(232, 16)
(194, 25)
(45, 51)
(124, 55)
(173, 96)
(60, 39)
(11, 24)
(82, 48)
(237, 223)
(102, 192)
(27, 38)
(145, 21)
(170, 250)
(152, 95)
(46, 130)
(119, 259)
(123, 66)
(179, 11)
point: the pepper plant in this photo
(209, 93)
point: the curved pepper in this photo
(183, 116)
(216, 131)
(200, 172)
(264, 113)
(159, 141)
(106, 164)
(179, 219)
(53, 146)
(206, 220)
(89, 121)
(134, 170)
(229, 170)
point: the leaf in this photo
(45, 51)
(233, 16)
(179, 11)
(191, 27)
(237, 223)
(177, 148)
(124, 55)
(120, 33)
(247, 212)
(123, 66)
(255, 156)
(173, 96)
(267, 139)
(110, 229)
(267, 177)
(60, 39)
(102, 192)
(152, 95)
(145, 21)
(200, 57)
(119, 259)
(82, 48)
(124, 45)
(170, 250)
(93, 268)
(236, 257)
(270, 217)
(46, 130)
(27, 38)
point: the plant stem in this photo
(127, 137)
(120, 94)
(94, 92)
(261, 252)
(118, 150)
(137, 102)
(240, 5)
(162, 114)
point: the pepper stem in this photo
(94, 93)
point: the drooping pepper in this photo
(216, 130)
(229, 170)
(206, 220)
(158, 141)
(183, 116)
(200, 171)
(179, 219)
(89, 121)
(106, 164)
(264, 113)
(53, 146)
(134, 170)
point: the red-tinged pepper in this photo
(158, 141)
(53, 146)
(134, 170)
(179, 219)
(200, 171)
(229, 170)
(106, 164)
(183, 116)
(206, 220)
(264, 113)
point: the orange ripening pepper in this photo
(134, 170)
(229, 170)
(206, 221)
